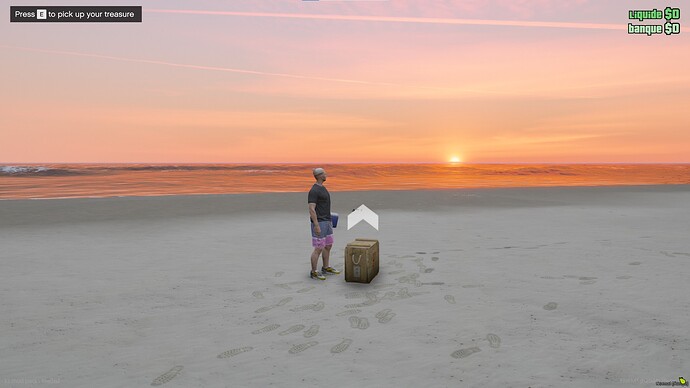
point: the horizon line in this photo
(5, 164)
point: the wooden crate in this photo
(376, 254)
(361, 260)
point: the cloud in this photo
(439, 8)
(203, 67)
(398, 19)
(530, 8)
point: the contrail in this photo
(401, 19)
(298, 76)
(201, 67)
(254, 72)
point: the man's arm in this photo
(314, 219)
(312, 213)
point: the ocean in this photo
(44, 181)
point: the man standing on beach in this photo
(321, 226)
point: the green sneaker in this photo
(330, 270)
(316, 275)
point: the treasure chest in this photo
(361, 260)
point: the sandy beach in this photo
(521, 287)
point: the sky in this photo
(419, 81)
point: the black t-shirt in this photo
(320, 196)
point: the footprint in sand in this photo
(403, 293)
(421, 253)
(355, 295)
(258, 294)
(396, 272)
(586, 278)
(373, 295)
(387, 318)
(363, 304)
(354, 322)
(494, 340)
(550, 306)
(234, 352)
(342, 346)
(305, 307)
(264, 309)
(428, 270)
(302, 347)
(450, 299)
(382, 313)
(284, 286)
(435, 258)
(635, 263)
(624, 277)
(266, 329)
(306, 289)
(472, 285)
(167, 376)
(359, 323)
(279, 274)
(412, 278)
(284, 301)
(433, 284)
(292, 329)
(348, 312)
(390, 295)
(312, 331)
(588, 282)
(466, 352)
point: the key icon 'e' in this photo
(41, 14)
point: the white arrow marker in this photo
(363, 213)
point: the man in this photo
(321, 226)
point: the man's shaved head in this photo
(318, 171)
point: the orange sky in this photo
(347, 83)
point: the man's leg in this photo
(315, 258)
(326, 254)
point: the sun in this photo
(455, 159)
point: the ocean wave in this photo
(533, 171)
(96, 169)
(35, 171)
(241, 168)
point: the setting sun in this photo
(455, 159)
